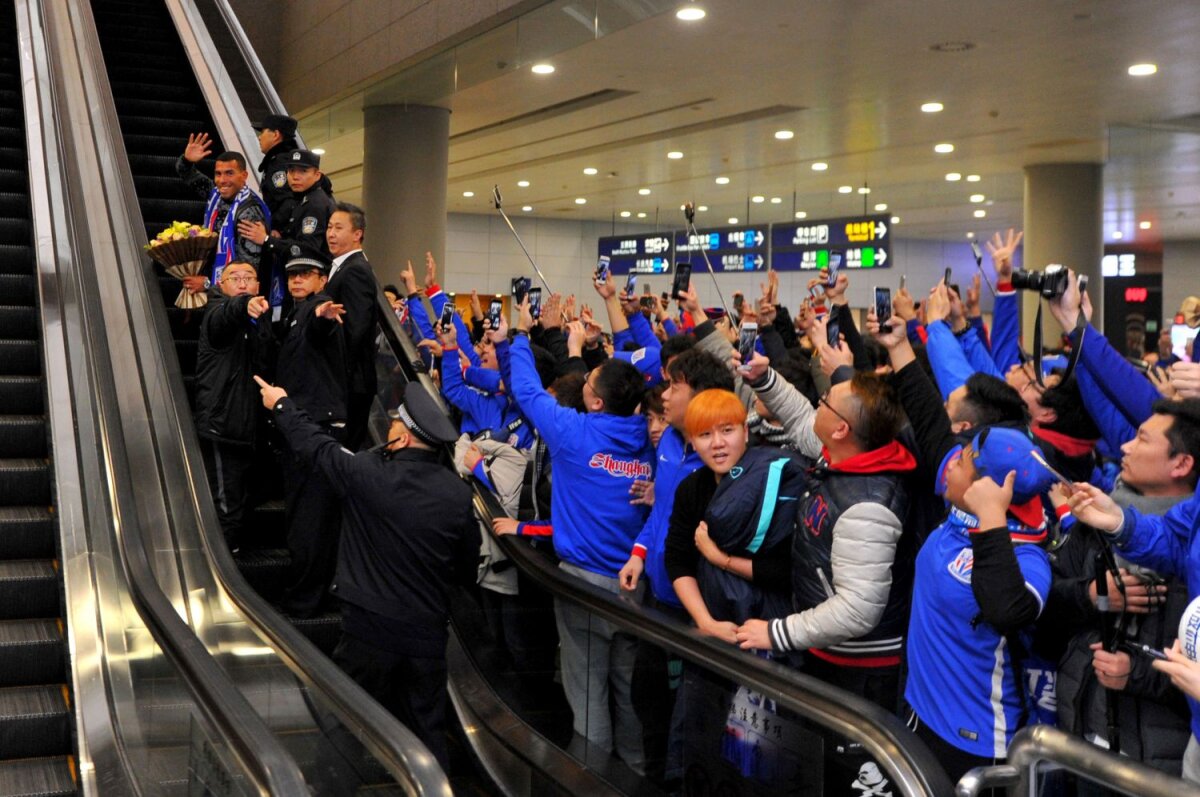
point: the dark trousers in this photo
(412, 688)
(228, 468)
(956, 762)
(358, 413)
(313, 515)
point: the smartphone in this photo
(1143, 650)
(1037, 457)
(1083, 281)
(946, 279)
(648, 302)
(1141, 365)
(977, 254)
(956, 289)
(746, 340)
(602, 270)
(903, 279)
(883, 307)
(835, 265)
(739, 301)
(520, 287)
(816, 294)
(447, 316)
(834, 333)
(494, 311)
(666, 298)
(535, 302)
(683, 279)
(630, 285)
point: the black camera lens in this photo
(1027, 280)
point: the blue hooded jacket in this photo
(676, 460)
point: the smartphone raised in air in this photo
(883, 307)
(602, 270)
(683, 279)
(835, 265)
(746, 340)
(494, 311)
(535, 302)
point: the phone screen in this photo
(833, 331)
(447, 315)
(630, 284)
(535, 302)
(494, 311)
(520, 286)
(746, 339)
(835, 265)
(883, 307)
(949, 276)
(602, 270)
(683, 278)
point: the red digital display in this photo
(1136, 295)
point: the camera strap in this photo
(1076, 350)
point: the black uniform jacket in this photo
(272, 175)
(233, 348)
(354, 285)
(301, 224)
(311, 365)
(408, 530)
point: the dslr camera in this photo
(1050, 283)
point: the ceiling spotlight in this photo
(641, 215)
(318, 151)
(895, 219)
(820, 166)
(972, 178)
(690, 13)
(527, 208)
(845, 189)
(943, 149)
(953, 177)
(979, 214)
(784, 135)
(675, 155)
(468, 194)
(800, 214)
(722, 181)
(644, 191)
(977, 198)
(1142, 70)
(591, 170)
(970, 235)
(625, 214)
(758, 199)
(882, 206)
(580, 200)
(733, 219)
(702, 208)
(932, 107)
(542, 69)
(522, 183)
(776, 200)
(864, 190)
(1118, 235)
(1145, 225)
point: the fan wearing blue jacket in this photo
(595, 456)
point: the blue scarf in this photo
(227, 238)
(964, 522)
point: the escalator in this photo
(36, 717)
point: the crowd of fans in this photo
(972, 536)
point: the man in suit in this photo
(352, 284)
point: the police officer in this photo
(311, 368)
(409, 534)
(276, 141)
(302, 219)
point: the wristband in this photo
(639, 551)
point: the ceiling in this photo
(1042, 81)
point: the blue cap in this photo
(999, 450)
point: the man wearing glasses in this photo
(235, 343)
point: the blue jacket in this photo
(485, 412)
(1006, 331)
(1123, 384)
(675, 461)
(595, 456)
(647, 359)
(420, 319)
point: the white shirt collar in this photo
(337, 261)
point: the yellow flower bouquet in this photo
(182, 250)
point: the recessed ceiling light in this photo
(644, 191)
(690, 13)
(864, 190)
(784, 135)
(757, 199)
(1142, 70)
(953, 177)
(527, 208)
(979, 214)
(776, 200)
(722, 181)
(970, 235)
(733, 219)
(820, 166)
(675, 155)
(882, 206)
(977, 197)
(932, 107)
(800, 214)
(702, 208)
(641, 215)
(522, 183)
(972, 178)
(580, 200)
(1145, 225)
(317, 151)
(845, 189)
(895, 219)
(625, 214)
(468, 194)
(590, 170)
(943, 149)
(542, 69)
(1117, 234)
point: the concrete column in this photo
(405, 171)
(1063, 224)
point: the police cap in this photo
(297, 264)
(286, 125)
(302, 159)
(421, 414)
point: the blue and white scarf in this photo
(227, 238)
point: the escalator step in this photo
(324, 630)
(13, 231)
(14, 204)
(31, 652)
(28, 588)
(161, 186)
(16, 258)
(21, 395)
(167, 89)
(175, 63)
(18, 323)
(154, 145)
(264, 569)
(134, 106)
(158, 164)
(26, 532)
(12, 158)
(24, 482)
(10, 136)
(174, 209)
(23, 435)
(53, 776)
(34, 721)
(121, 76)
(269, 524)
(19, 357)
(185, 325)
(186, 351)
(13, 179)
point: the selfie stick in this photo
(503, 215)
(689, 214)
(979, 265)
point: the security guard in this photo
(276, 141)
(301, 220)
(409, 534)
(311, 367)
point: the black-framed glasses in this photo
(825, 400)
(240, 279)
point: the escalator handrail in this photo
(884, 735)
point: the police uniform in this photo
(409, 535)
(312, 370)
(302, 219)
(272, 170)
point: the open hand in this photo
(1002, 251)
(198, 148)
(330, 311)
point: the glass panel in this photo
(555, 27)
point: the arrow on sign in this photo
(880, 257)
(880, 230)
(758, 261)
(758, 238)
